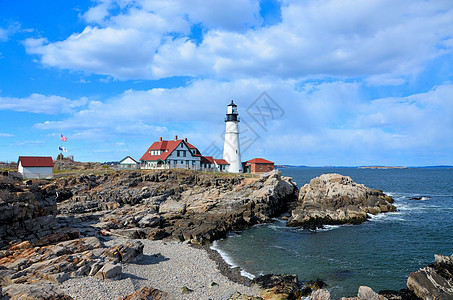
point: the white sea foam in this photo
(247, 274)
(229, 260)
(329, 227)
(224, 255)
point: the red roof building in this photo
(259, 165)
(179, 153)
(176, 153)
(35, 166)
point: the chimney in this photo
(176, 137)
(185, 140)
(160, 139)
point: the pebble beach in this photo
(167, 266)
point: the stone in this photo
(239, 296)
(366, 293)
(336, 199)
(109, 271)
(434, 281)
(320, 294)
(150, 220)
(146, 293)
(57, 278)
(186, 290)
(34, 291)
(125, 253)
(278, 286)
(95, 268)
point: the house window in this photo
(177, 153)
(261, 167)
(182, 162)
(183, 153)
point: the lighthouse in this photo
(231, 150)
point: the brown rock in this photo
(146, 293)
(109, 271)
(34, 292)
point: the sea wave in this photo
(223, 254)
(247, 274)
(229, 260)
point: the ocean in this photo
(379, 253)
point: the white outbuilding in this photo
(35, 166)
(128, 163)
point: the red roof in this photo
(259, 161)
(221, 162)
(207, 160)
(36, 161)
(164, 146)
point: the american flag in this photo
(63, 138)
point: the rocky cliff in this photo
(52, 230)
(434, 281)
(174, 204)
(336, 199)
(27, 210)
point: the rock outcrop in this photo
(174, 204)
(335, 199)
(43, 245)
(434, 281)
(27, 210)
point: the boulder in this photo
(278, 286)
(146, 293)
(320, 294)
(366, 293)
(109, 271)
(434, 281)
(127, 252)
(337, 199)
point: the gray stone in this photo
(34, 291)
(320, 295)
(109, 271)
(150, 220)
(95, 268)
(337, 199)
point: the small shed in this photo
(207, 163)
(259, 165)
(128, 163)
(221, 165)
(35, 166)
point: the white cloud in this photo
(3, 35)
(323, 123)
(38, 103)
(6, 135)
(385, 40)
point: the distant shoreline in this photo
(382, 167)
(365, 167)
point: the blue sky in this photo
(317, 83)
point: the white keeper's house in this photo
(35, 166)
(179, 154)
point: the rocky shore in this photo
(70, 237)
(146, 234)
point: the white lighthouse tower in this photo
(231, 150)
